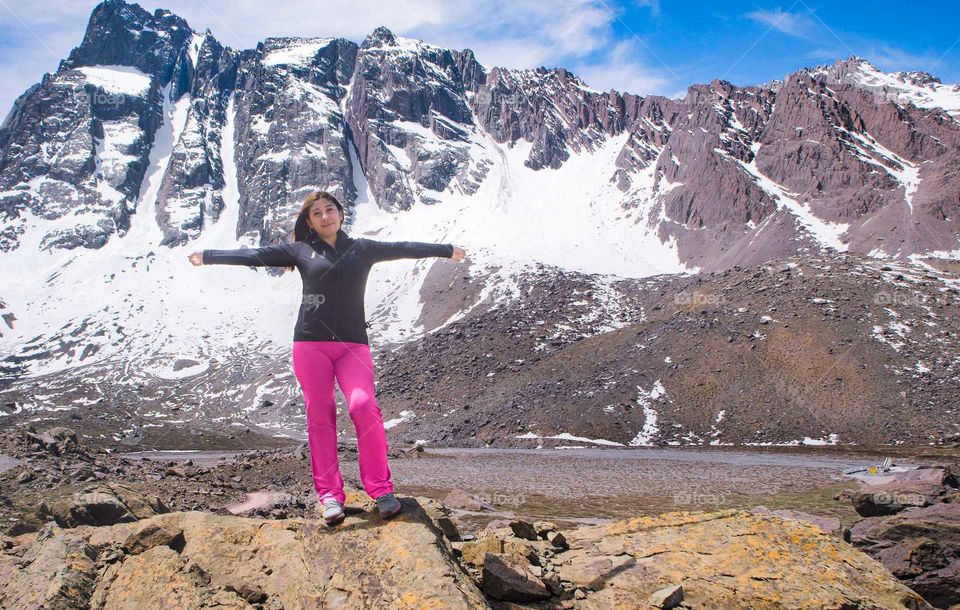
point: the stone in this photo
(727, 559)
(890, 493)
(523, 529)
(57, 441)
(557, 540)
(475, 550)
(234, 562)
(152, 535)
(920, 546)
(592, 571)
(106, 504)
(667, 597)
(458, 498)
(260, 502)
(544, 527)
(507, 579)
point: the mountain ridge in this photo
(152, 141)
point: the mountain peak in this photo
(380, 37)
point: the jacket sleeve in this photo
(378, 251)
(279, 255)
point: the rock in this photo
(920, 546)
(888, 494)
(475, 551)
(667, 597)
(152, 535)
(57, 441)
(557, 540)
(727, 559)
(523, 529)
(234, 562)
(460, 499)
(106, 504)
(252, 594)
(441, 516)
(497, 524)
(591, 571)
(830, 525)
(877, 503)
(544, 527)
(508, 579)
(55, 571)
(522, 549)
(261, 502)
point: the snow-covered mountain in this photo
(152, 141)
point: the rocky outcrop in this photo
(920, 546)
(889, 494)
(105, 504)
(730, 559)
(199, 560)
(192, 559)
(912, 528)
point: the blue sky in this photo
(640, 46)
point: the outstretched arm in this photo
(378, 251)
(279, 255)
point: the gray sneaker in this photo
(389, 505)
(333, 511)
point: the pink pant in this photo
(315, 363)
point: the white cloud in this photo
(891, 58)
(793, 24)
(653, 5)
(621, 71)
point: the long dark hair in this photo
(301, 228)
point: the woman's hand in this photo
(458, 254)
(196, 258)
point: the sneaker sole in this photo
(335, 520)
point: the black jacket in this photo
(334, 279)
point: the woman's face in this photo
(324, 218)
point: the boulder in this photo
(56, 441)
(460, 499)
(523, 529)
(261, 502)
(106, 504)
(507, 578)
(920, 546)
(726, 559)
(202, 560)
(890, 493)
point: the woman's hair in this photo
(301, 228)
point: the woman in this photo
(330, 340)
